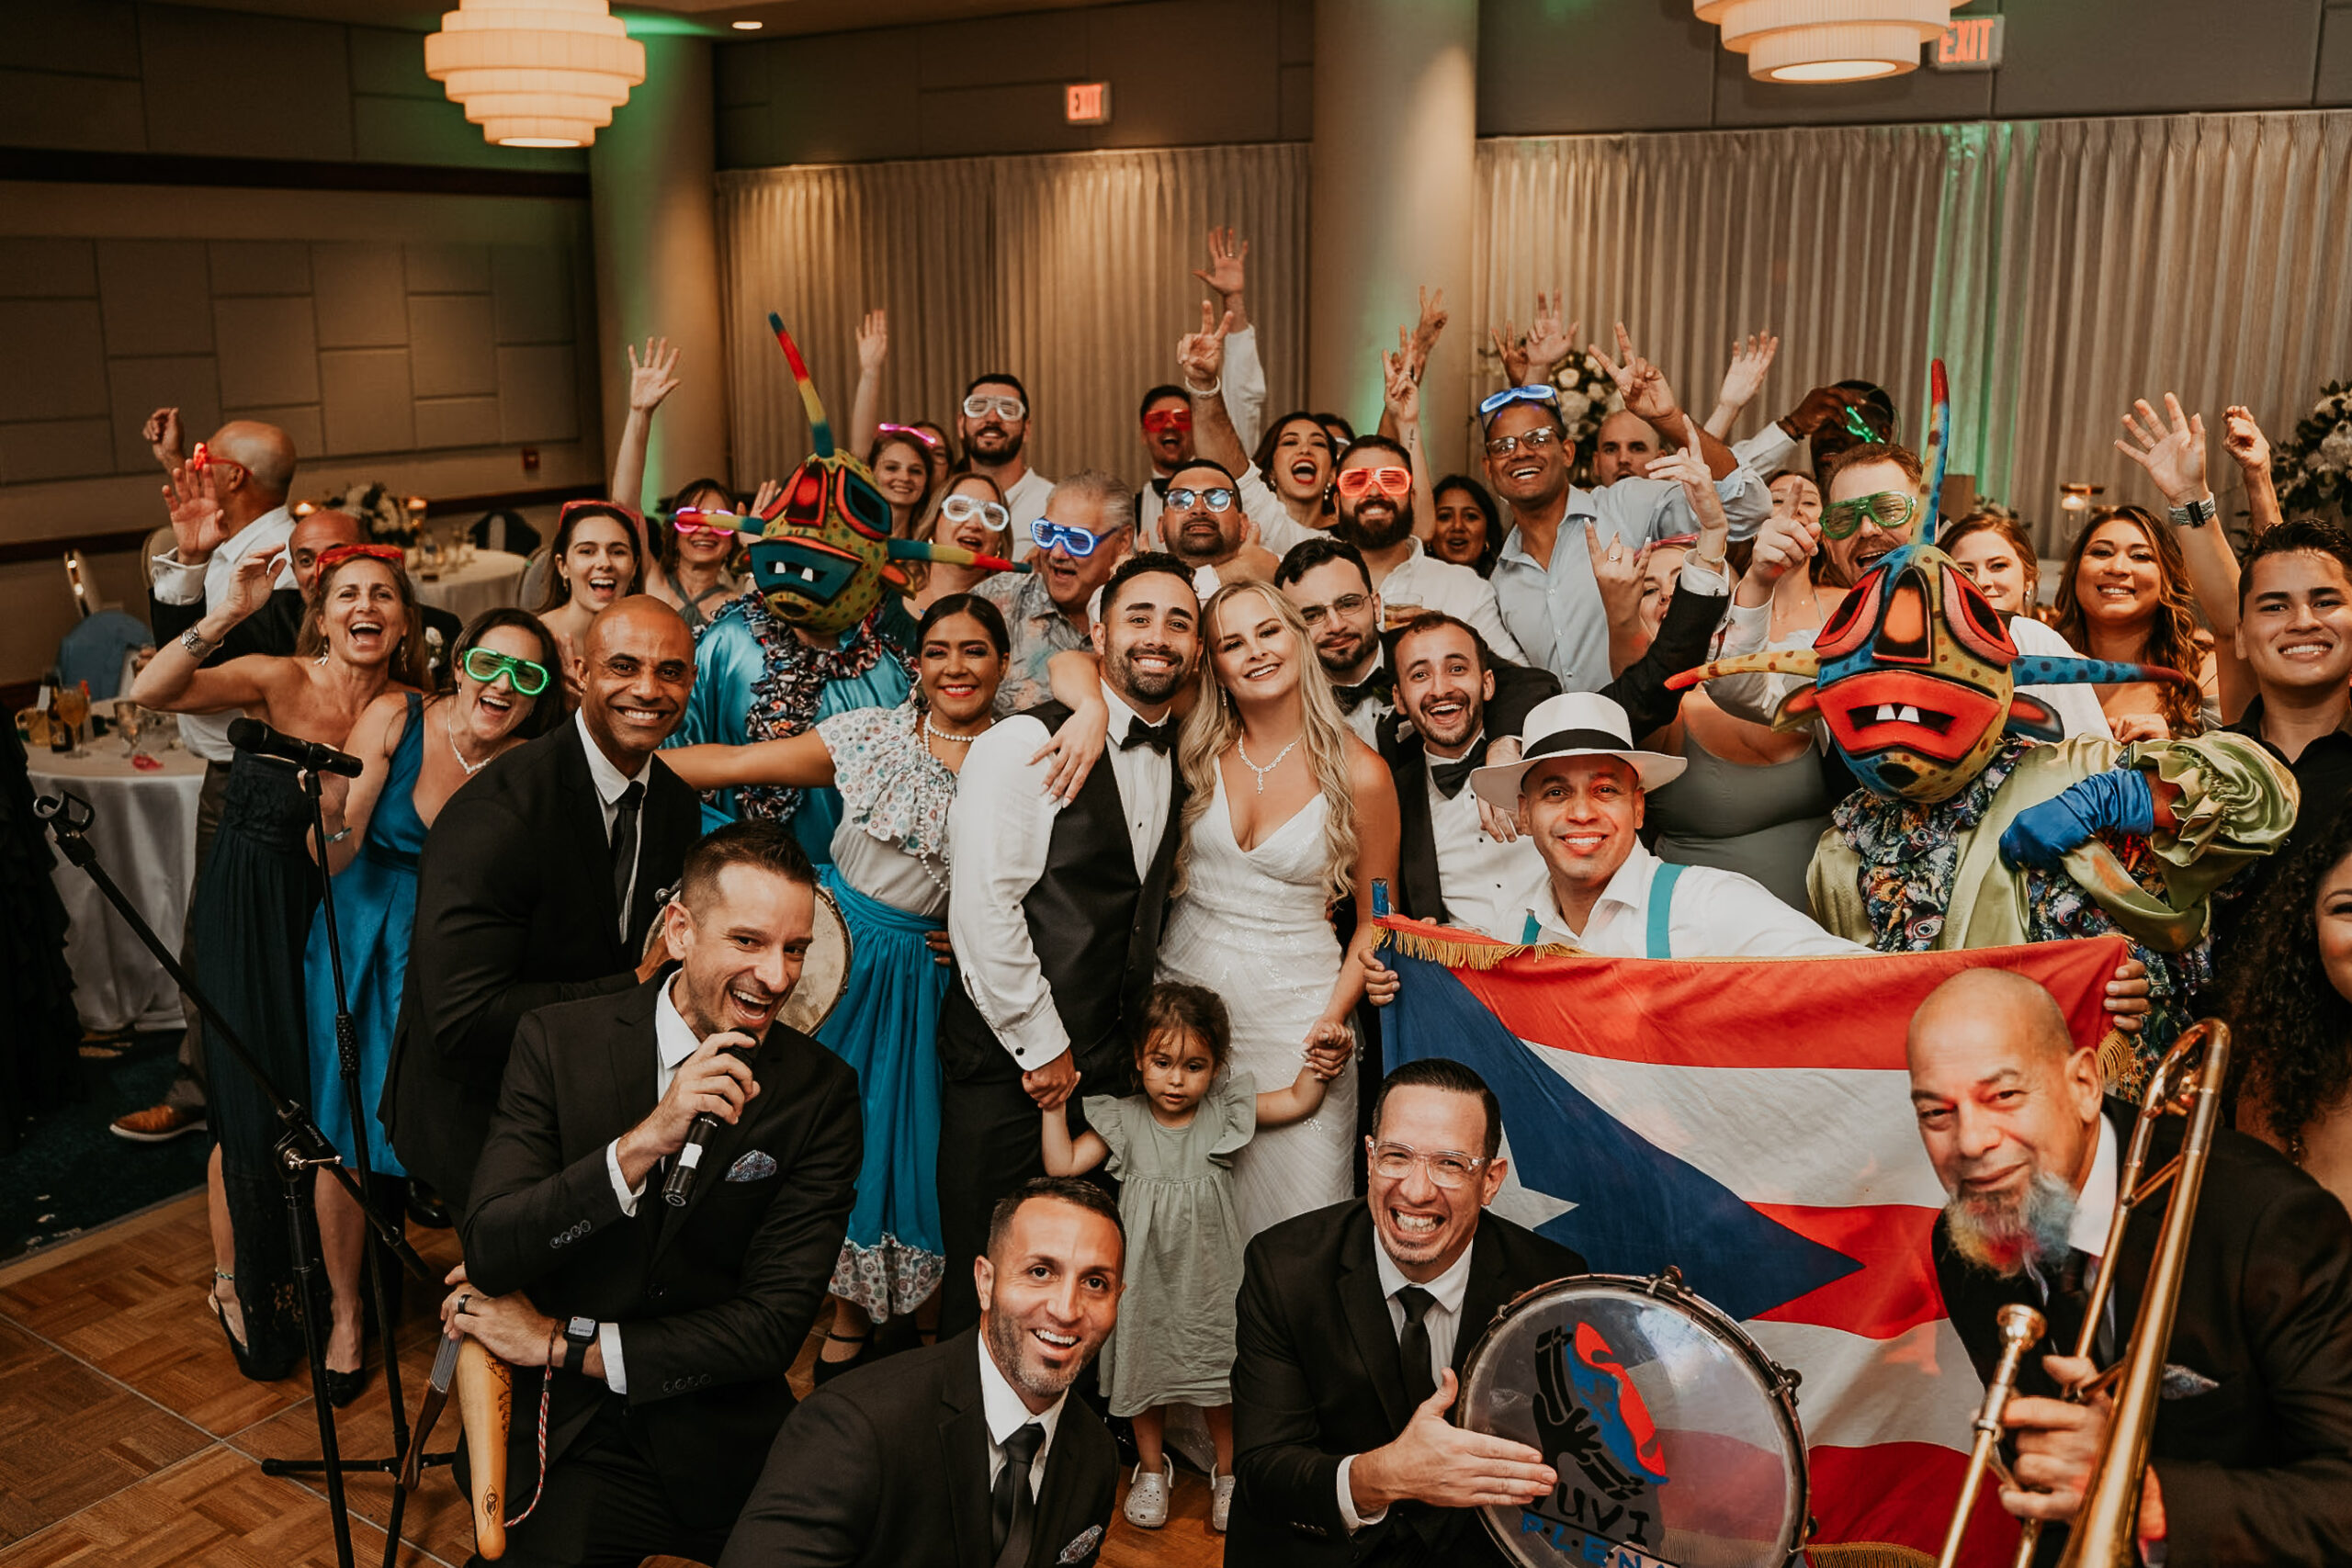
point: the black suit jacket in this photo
(714, 1300)
(2253, 1442)
(888, 1468)
(1680, 644)
(1316, 1379)
(514, 911)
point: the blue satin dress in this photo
(375, 906)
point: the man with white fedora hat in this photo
(1577, 792)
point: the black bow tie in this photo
(1380, 686)
(1161, 737)
(1450, 777)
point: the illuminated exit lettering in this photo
(1086, 103)
(1970, 43)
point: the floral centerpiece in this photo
(2313, 470)
(382, 510)
(1587, 395)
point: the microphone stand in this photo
(346, 1044)
(300, 1149)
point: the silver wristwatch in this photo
(2197, 514)
(198, 649)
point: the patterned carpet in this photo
(70, 1174)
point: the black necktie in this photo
(2070, 1297)
(1450, 777)
(1378, 686)
(1012, 1507)
(1161, 737)
(1413, 1353)
(624, 847)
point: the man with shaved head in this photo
(250, 465)
(537, 884)
(2253, 1447)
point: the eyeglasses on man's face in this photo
(1356, 483)
(1347, 605)
(1534, 440)
(1217, 500)
(1892, 510)
(1046, 534)
(979, 405)
(1447, 1167)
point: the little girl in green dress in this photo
(1172, 1149)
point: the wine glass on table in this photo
(127, 722)
(73, 710)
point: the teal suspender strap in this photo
(1534, 931)
(1662, 908)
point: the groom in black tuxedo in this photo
(2252, 1455)
(970, 1451)
(1055, 910)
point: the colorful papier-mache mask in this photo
(1914, 675)
(823, 555)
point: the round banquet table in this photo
(491, 581)
(144, 833)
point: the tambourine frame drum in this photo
(1675, 1436)
(824, 976)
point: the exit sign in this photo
(1970, 43)
(1086, 103)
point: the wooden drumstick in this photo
(486, 1405)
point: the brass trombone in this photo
(2105, 1530)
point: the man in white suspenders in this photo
(1578, 791)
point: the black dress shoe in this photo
(827, 1371)
(425, 1207)
(344, 1387)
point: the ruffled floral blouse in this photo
(896, 793)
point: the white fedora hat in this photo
(1574, 724)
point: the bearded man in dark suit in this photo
(2251, 1455)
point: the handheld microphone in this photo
(252, 735)
(679, 1185)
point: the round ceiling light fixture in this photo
(1826, 41)
(535, 72)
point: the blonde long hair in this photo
(1215, 723)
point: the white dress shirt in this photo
(674, 1042)
(1487, 885)
(1001, 826)
(1005, 1414)
(1716, 914)
(1433, 584)
(1025, 501)
(1767, 451)
(610, 781)
(1553, 608)
(1444, 1321)
(2094, 1213)
(175, 582)
(1363, 719)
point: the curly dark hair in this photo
(2175, 640)
(2293, 1061)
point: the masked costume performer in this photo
(807, 640)
(1975, 825)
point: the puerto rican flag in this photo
(1749, 1123)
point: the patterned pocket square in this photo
(1077, 1550)
(2180, 1382)
(757, 1165)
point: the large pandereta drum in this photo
(1675, 1436)
(824, 975)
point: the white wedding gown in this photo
(1251, 926)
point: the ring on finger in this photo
(464, 1300)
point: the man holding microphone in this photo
(663, 1329)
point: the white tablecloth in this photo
(144, 833)
(489, 581)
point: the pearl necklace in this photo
(450, 727)
(948, 735)
(1244, 753)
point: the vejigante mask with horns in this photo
(1914, 675)
(823, 556)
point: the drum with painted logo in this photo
(1675, 1436)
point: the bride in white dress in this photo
(1288, 813)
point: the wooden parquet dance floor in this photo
(127, 1440)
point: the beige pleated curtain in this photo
(2060, 269)
(1072, 271)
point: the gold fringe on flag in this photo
(1456, 948)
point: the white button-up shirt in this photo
(1025, 501)
(1001, 1408)
(1001, 826)
(176, 583)
(1444, 1321)
(674, 1042)
(610, 782)
(1433, 584)
(1487, 885)
(1553, 608)
(1716, 914)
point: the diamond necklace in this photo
(1261, 773)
